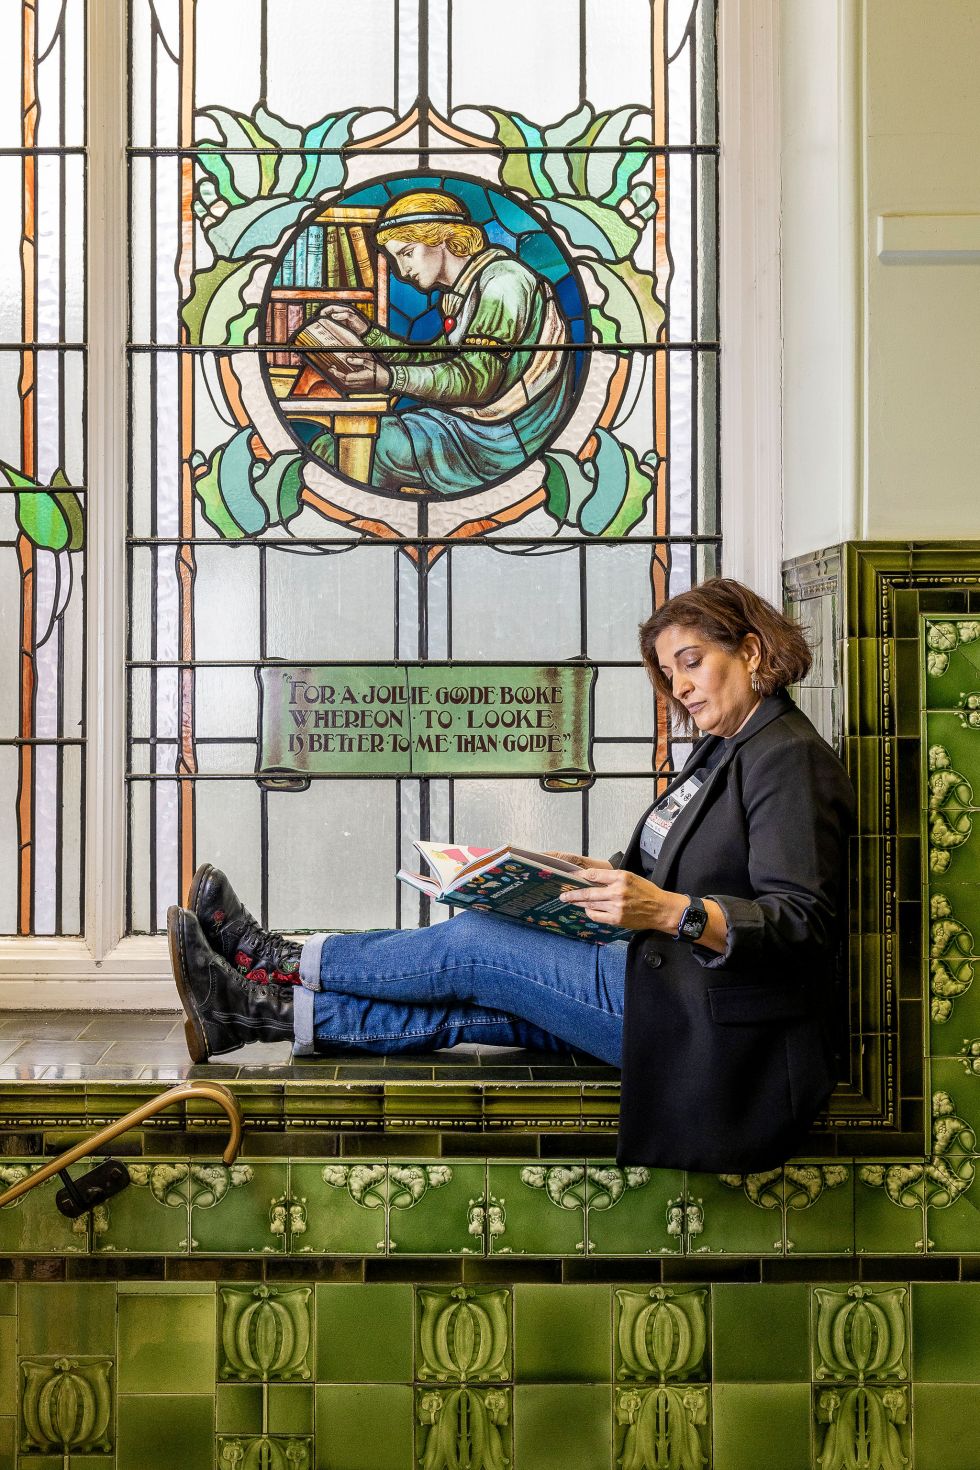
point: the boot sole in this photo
(197, 883)
(197, 1045)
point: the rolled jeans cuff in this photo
(309, 974)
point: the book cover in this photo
(513, 883)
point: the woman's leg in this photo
(563, 987)
(327, 1021)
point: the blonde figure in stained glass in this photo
(482, 409)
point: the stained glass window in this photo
(423, 413)
(42, 464)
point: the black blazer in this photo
(728, 1058)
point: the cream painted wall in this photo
(889, 450)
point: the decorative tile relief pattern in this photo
(66, 1405)
(662, 1417)
(861, 1339)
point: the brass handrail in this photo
(183, 1092)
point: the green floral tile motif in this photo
(153, 1215)
(238, 1208)
(348, 1208)
(463, 1335)
(66, 1405)
(955, 1105)
(738, 1213)
(954, 1228)
(444, 1218)
(464, 1426)
(537, 1209)
(633, 1212)
(861, 1346)
(32, 1224)
(795, 1191)
(889, 1208)
(572, 1196)
(952, 660)
(951, 961)
(661, 1338)
(266, 1333)
(952, 806)
(265, 1452)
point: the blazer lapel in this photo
(770, 709)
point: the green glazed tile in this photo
(539, 1208)
(874, 1422)
(265, 1332)
(344, 1207)
(955, 1121)
(436, 1207)
(955, 752)
(946, 1331)
(33, 1225)
(463, 1334)
(760, 1333)
(8, 1438)
(820, 1208)
(241, 1209)
(737, 1213)
(562, 1334)
(630, 1210)
(955, 1227)
(947, 1421)
(8, 1363)
(364, 1332)
(364, 1427)
(845, 1316)
(951, 665)
(559, 1428)
(290, 1409)
(76, 1317)
(166, 1344)
(8, 1298)
(165, 1429)
(661, 1332)
(152, 1216)
(296, 1451)
(238, 1408)
(882, 1227)
(761, 1424)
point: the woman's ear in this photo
(751, 650)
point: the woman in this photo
(488, 392)
(717, 1010)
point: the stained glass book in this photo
(517, 885)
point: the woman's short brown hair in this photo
(724, 612)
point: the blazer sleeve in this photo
(799, 810)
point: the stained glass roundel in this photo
(424, 332)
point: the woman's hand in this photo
(620, 897)
(358, 371)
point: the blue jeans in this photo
(475, 977)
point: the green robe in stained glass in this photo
(484, 409)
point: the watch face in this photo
(694, 922)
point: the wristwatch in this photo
(694, 921)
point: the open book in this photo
(518, 885)
(328, 345)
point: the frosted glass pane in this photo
(71, 840)
(322, 873)
(11, 288)
(8, 840)
(492, 812)
(614, 809)
(224, 756)
(526, 59)
(226, 703)
(347, 58)
(10, 89)
(617, 53)
(226, 601)
(61, 62)
(620, 598)
(330, 607)
(228, 834)
(535, 605)
(10, 612)
(139, 856)
(623, 703)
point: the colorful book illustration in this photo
(517, 885)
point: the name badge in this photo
(665, 814)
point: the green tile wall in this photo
(233, 1375)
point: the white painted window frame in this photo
(107, 969)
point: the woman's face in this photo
(713, 685)
(420, 265)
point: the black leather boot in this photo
(255, 952)
(224, 1010)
